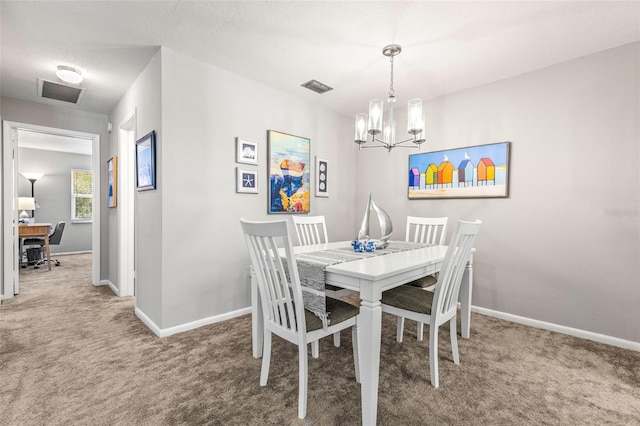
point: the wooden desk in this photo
(372, 276)
(37, 230)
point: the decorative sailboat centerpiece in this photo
(364, 243)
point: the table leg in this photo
(46, 246)
(257, 325)
(370, 326)
(466, 290)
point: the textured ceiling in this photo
(447, 46)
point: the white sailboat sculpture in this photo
(386, 227)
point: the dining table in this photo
(371, 276)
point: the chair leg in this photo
(399, 329)
(315, 349)
(336, 339)
(433, 355)
(266, 358)
(356, 351)
(454, 341)
(420, 331)
(302, 391)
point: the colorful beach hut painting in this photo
(414, 178)
(289, 159)
(445, 174)
(465, 173)
(431, 175)
(482, 172)
(486, 171)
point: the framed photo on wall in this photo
(322, 177)
(480, 171)
(112, 182)
(146, 162)
(246, 181)
(289, 158)
(246, 151)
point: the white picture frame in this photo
(246, 181)
(322, 177)
(247, 151)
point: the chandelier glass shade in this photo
(381, 128)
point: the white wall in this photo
(204, 258)
(564, 247)
(143, 98)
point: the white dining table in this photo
(371, 276)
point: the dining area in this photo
(419, 279)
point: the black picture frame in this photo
(146, 162)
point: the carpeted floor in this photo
(75, 354)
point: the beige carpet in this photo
(74, 354)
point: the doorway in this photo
(126, 210)
(11, 169)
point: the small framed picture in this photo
(246, 181)
(322, 178)
(146, 162)
(112, 182)
(246, 151)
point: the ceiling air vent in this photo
(60, 92)
(316, 86)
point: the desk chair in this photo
(431, 230)
(313, 230)
(441, 306)
(54, 239)
(282, 306)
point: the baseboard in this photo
(111, 285)
(600, 338)
(190, 325)
(65, 253)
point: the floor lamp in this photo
(32, 177)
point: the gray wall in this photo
(68, 119)
(53, 193)
(194, 267)
(564, 247)
(143, 97)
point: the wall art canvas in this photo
(246, 181)
(146, 162)
(322, 177)
(470, 172)
(289, 158)
(112, 182)
(246, 151)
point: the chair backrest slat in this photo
(431, 230)
(278, 280)
(310, 229)
(455, 261)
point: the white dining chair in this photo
(431, 230)
(282, 304)
(441, 306)
(313, 230)
(310, 229)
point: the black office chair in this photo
(54, 239)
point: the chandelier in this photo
(373, 124)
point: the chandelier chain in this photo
(392, 93)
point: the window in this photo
(81, 196)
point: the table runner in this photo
(311, 268)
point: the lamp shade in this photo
(26, 203)
(32, 175)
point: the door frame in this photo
(126, 205)
(9, 200)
